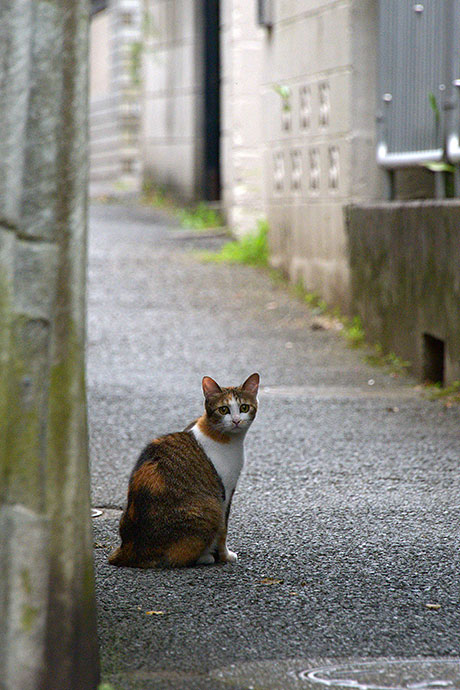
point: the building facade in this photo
(115, 47)
(280, 109)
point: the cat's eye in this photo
(244, 408)
(224, 410)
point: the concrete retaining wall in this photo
(405, 281)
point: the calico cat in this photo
(181, 488)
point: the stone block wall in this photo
(319, 109)
(115, 74)
(405, 281)
(172, 123)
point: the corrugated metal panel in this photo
(453, 125)
(413, 80)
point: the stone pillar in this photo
(47, 608)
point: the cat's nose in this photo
(236, 420)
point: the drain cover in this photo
(358, 674)
(402, 674)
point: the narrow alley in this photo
(346, 516)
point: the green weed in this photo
(200, 217)
(379, 358)
(156, 196)
(449, 395)
(353, 331)
(251, 249)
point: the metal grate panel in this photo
(413, 79)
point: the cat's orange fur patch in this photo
(185, 551)
(148, 477)
(208, 430)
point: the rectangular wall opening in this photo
(433, 359)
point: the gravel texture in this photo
(346, 517)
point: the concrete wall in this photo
(319, 133)
(172, 123)
(405, 278)
(242, 41)
(47, 608)
(115, 98)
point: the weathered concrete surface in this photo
(405, 277)
(348, 502)
(47, 610)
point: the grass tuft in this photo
(449, 395)
(251, 249)
(200, 217)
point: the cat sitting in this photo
(181, 488)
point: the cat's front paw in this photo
(230, 556)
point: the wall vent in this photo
(433, 359)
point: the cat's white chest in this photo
(227, 458)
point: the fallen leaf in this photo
(98, 545)
(433, 607)
(270, 581)
(155, 613)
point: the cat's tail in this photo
(127, 556)
(119, 557)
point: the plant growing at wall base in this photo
(251, 249)
(200, 217)
(448, 395)
(379, 358)
(353, 331)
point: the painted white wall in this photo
(172, 140)
(242, 177)
(320, 141)
(114, 99)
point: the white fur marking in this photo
(227, 458)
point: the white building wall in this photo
(115, 98)
(241, 125)
(172, 138)
(318, 100)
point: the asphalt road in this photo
(346, 517)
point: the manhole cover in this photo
(338, 674)
(403, 674)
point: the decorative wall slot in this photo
(127, 18)
(285, 94)
(279, 171)
(305, 107)
(324, 104)
(296, 170)
(333, 173)
(314, 173)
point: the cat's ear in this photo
(251, 385)
(210, 387)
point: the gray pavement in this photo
(346, 518)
